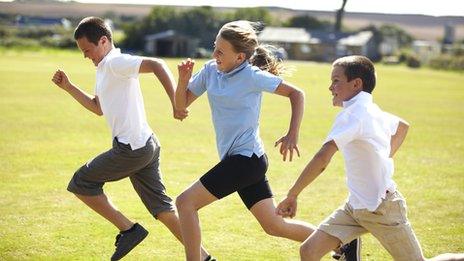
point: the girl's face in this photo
(226, 57)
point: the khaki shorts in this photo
(388, 223)
(140, 165)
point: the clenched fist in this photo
(61, 80)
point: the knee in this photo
(307, 252)
(183, 202)
(273, 229)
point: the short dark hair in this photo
(357, 66)
(92, 28)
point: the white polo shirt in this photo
(118, 91)
(362, 132)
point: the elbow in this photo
(158, 65)
(98, 111)
(298, 96)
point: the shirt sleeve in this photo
(197, 84)
(345, 129)
(265, 81)
(392, 122)
(126, 65)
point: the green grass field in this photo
(46, 136)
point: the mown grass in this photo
(46, 136)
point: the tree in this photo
(201, 23)
(389, 30)
(255, 14)
(339, 17)
(158, 20)
(306, 21)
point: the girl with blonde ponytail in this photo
(234, 81)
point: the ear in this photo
(241, 57)
(358, 84)
(103, 40)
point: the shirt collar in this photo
(361, 97)
(234, 71)
(112, 52)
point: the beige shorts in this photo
(388, 223)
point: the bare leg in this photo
(275, 225)
(171, 221)
(317, 246)
(103, 206)
(188, 203)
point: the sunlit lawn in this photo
(46, 136)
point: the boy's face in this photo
(342, 89)
(96, 53)
(226, 57)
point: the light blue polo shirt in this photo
(235, 101)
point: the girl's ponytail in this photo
(264, 58)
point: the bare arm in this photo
(90, 102)
(289, 142)
(398, 138)
(184, 97)
(164, 75)
(288, 207)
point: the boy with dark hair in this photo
(368, 138)
(135, 152)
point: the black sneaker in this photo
(350, 251)
(127, 240)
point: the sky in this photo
(428, 7)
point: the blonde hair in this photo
(243, 38)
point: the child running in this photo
(368, 139)
(234, 81)
(136, 150)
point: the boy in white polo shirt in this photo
(368, 138)
(135, 152)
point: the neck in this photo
(354, 95)
(108, 48)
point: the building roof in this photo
(284, 34)
(301, 35)
(42, 21)
(161, 35)
(358, 39)
(326, 37)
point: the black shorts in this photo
(246, 175)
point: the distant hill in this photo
(420, 26)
